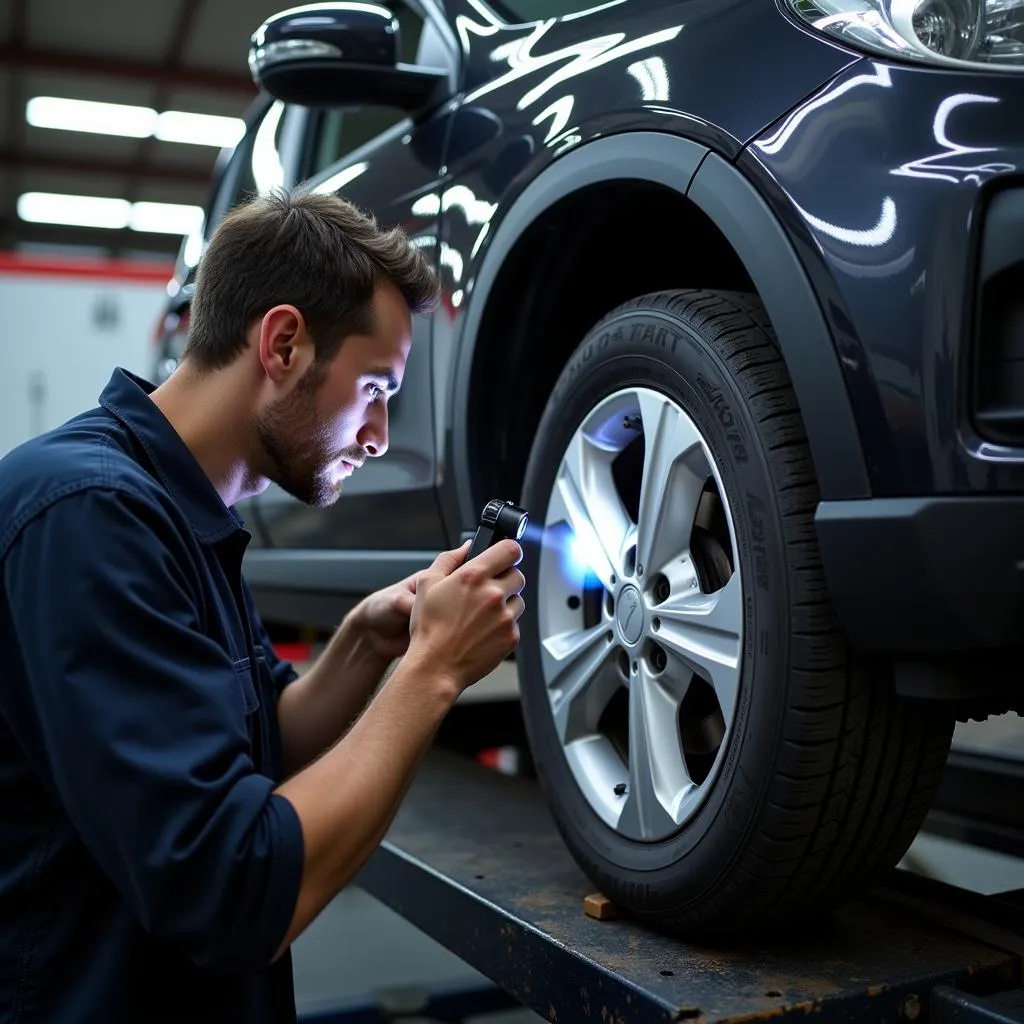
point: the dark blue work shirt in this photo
(148, 872)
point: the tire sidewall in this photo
(662, 351)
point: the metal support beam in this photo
(14, 160)
(952, 1007)
(17, 58)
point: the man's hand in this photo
(383, 618)
(466, 616)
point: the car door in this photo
(387, 521)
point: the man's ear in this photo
(285, 347)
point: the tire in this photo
(824, 774)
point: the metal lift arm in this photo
(474, 861)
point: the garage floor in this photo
(358, 948)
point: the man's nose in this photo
(374, 435)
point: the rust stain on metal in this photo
(767, 1014)
(688, 1013)
(807, 1007)
(585, 1001)
(550, 926)
(814, 989)
(543, 899)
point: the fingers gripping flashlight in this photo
(498, 521)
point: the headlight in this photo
(954, 33)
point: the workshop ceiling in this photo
(168, 55)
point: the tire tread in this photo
(857, 765)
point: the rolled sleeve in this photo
(136, 720)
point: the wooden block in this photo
(600, 907)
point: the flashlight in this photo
(499, 520)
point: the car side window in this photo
(339, 132)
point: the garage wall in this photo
(62, 337)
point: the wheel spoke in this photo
(622, 515)
(581, 678)
(590, 503)
(703, 632)
(658, 780)
(676, 677)
(628, 541)
(671, 486)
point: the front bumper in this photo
(926, 576)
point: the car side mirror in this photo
(337, 55)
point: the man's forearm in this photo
(347, 799)
(317, 708)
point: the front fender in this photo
(743, 217)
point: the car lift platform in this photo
(474, 861)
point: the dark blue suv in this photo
(734, 306)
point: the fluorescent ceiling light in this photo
(133, 122)
(199, 129)
(81, 211)
(88, 116)
(166, 218)
(100, 212)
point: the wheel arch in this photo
(765, 258)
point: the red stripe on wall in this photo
(13, 263)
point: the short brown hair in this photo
(318, 253)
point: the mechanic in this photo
(178, 804)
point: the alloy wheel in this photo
(640, 613)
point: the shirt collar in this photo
(126, 396)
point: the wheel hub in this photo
(630, 615)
